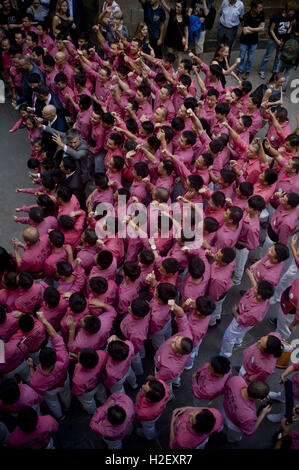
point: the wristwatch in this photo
(153, 247)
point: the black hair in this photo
(25, 280)
(246, 86)
(207, 158)
(148, 126)
(117, 138)
(104, 259)
(190, 103)
(196, 267)
(228, 254)
(92, 323)
(101, 180)
(293, 199)
(257, 203)
(247, 120)
(3, 311)
(186, 346)
(141, 169)
(47, 357)
(211, 225)
(27, 419)
(88, 358)
(178, 123)
(9, 391)
(56, 238)
(26, 323)
(265, 289)
(156, 392)
(154, 142)
(108, 118)
(169, 57)
(132, 270)
(170, 265)
(195, 181)
(36, 214)
(51, 296)
(132, 125)
(222, 108)
(64, 193)
(274, 346)
(218, 198)
(220, 364)
(213, 92)
(258, 389)
(205, 421)
(49, 60)
(98, 284)
(235, 214)
(118, 350)
(66, 222)
(205, 305)
(146, 257)
(77, 303)
(187, 64)
(85, 101)
(246, 188)
(281, 252)
(166, 292)
(140, 308)
(190, 137)
(116, 415)
(64, 268)
(145, 90)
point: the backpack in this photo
(290, 52)
(210, 18)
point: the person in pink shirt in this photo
(63, 66)
(150, 403)
(50, 71)
(66, 200)
(270, 266)
(135, 328)
(216, 207)
(239, 410)
(6, 57)
(191, 428)
(36, 251)
(64, 93)
(196, 281)
(37, 219)
(94, 330)
(114, 420)
(221, 113)
(15, 364)
(10, 290)
(279, 127)
(32, 431)
(53, 307)
(77, 309)
(8, 324)
(252, 309)
(14, 396)
(102, 193)
(118, 367)
(249, 235)
(71, 277)
(32, 333)
(288, 179)
(101, 80)
(184, 151)
(87, 378)
(44, 40)
(111, 239)
(84, 112)
(129, 288)
(72, 227)
(228, 234)
(30, 295)
(221, 280)
(60, 252)
(213, 74)
(283, 222)
(50, 378)
(207, 107)
(259, 359)
(209, 380)
(172, 356)
(265, 185)
(106, 265)
(101, 290)
(252, 110)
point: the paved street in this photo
(74, 432)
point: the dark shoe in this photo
(272, 321)
(237, 369)
(242, 292)
(245, 76)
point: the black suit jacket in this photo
(74, 182)
(59, 125)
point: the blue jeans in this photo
(250, 50)
(271, 47)
(287, 69)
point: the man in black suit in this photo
(69, 175)
(50, 123)
(44, 97)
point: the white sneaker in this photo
(277, 396)
(275, 418)
(274, 301)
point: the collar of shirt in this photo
(48, 100)
(67, 176)
(52, 122)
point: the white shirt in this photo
(230, 15)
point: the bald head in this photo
(31, 235)
(49, 112)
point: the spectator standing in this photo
(279, 27)
(202, 10)
(253, 22)
(154, 17)
(231, 13)
(176, 38)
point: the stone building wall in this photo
(133, 14)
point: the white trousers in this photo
(283, 323)
(22, 370)
(130, 378)
(52, 398)
(216, 315)
(149, 428)
(287, 279)
(241, 259)
(233, 334)
(87, 399)
(159, 337)
(199, 43)
(234, 433)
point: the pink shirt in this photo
(206, 386)
(29, 299)
(259, 365)
(108, 297)
(7, 328)
(251, 311)
(55, 315)
(284, 223)
(87, 256)
(250, 232)
(185, 437)
(8, 297)
(108, 273)
(116, 370)
(168, 364)
(268, 271)
(46, 42)
(239, 411)
(38, 439)
(76, 285)
(28, 397)
(34, 256)
(49, 223)
(72, 206)
(191, 289)
(278, 140)
(257, 122)
(159, 315)
(34, 338)
(14, 356)
(198, 326)
(226, 237)
(105, 428)
(83, 122)
(135, 330)
(73, 237)
(146, 410)
(87, 379)
(221, 280)
(41, 381)
(68, 71)
(53, 259)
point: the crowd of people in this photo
(151, 191)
